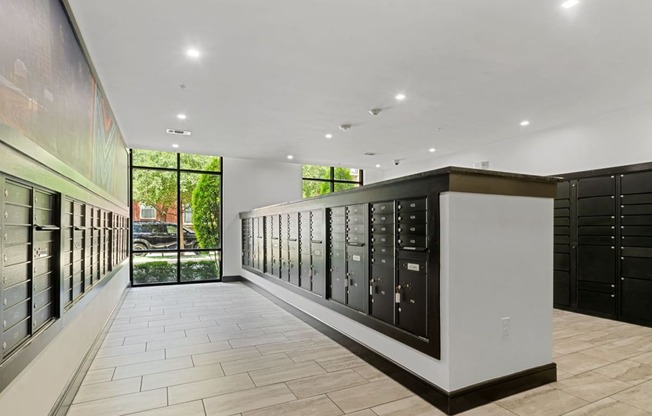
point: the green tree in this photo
(206, 208)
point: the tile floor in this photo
(225, 349)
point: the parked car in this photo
(155, 235)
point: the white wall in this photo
(36, 390)
(252, 184)
(496, 262)
(619, 138)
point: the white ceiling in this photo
(276, 75)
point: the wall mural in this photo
(49, 96)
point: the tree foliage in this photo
(206, 208)
(158, 188)
(314, 188)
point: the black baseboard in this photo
(229, 279)
(448, 402)
(498, 388)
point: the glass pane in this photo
(154, 159)
(201, 224)
(347, 174)
(344, 186)
(202, 265)
(155, 268)
(156, 191)
(316, 172)
(314, 188)
(200, 162)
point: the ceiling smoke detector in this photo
(178, 132)
(345, 127)
(375, 111)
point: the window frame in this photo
(178, 170)
(332, 181)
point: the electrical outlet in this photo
(506, 326)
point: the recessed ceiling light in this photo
(432, 150)
(328, 136)
(193, 53)
(377, 166)
(176, 146)
(525, 123)
(181, 116)
(400, 97)
(290, 157)
(570, 3)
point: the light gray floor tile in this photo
(591, 386)
(225, 356)
(629, 371)
(137, 358)
(638, 396)
(410, 406)
(152, 367)
(127, 326)
(257, 363)
(162, 336)
(129, 403)
(133, 332)
(259, 340)
(368, 395)
(313, 406)
(98, 376)
(290, 372)
(197, 349)
(341, 362)
(107, 389)
(195, 408)
(208, 388)
(607, 407)
(325, 383)
(121, 350)
(542, 401)
(243, 401)
(187, 326)
(177, 342)
(115, 342)
(186, 375)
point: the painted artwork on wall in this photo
(49, 96)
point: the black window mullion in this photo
(179, 217)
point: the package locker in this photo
(596, 244)
(636, 247)
(383, 265)
(337, 254)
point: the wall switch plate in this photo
(506, 326)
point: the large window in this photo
(318, 180)
(176, 217)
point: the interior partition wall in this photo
(176, 206)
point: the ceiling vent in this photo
(178, 132)
(370, 153)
